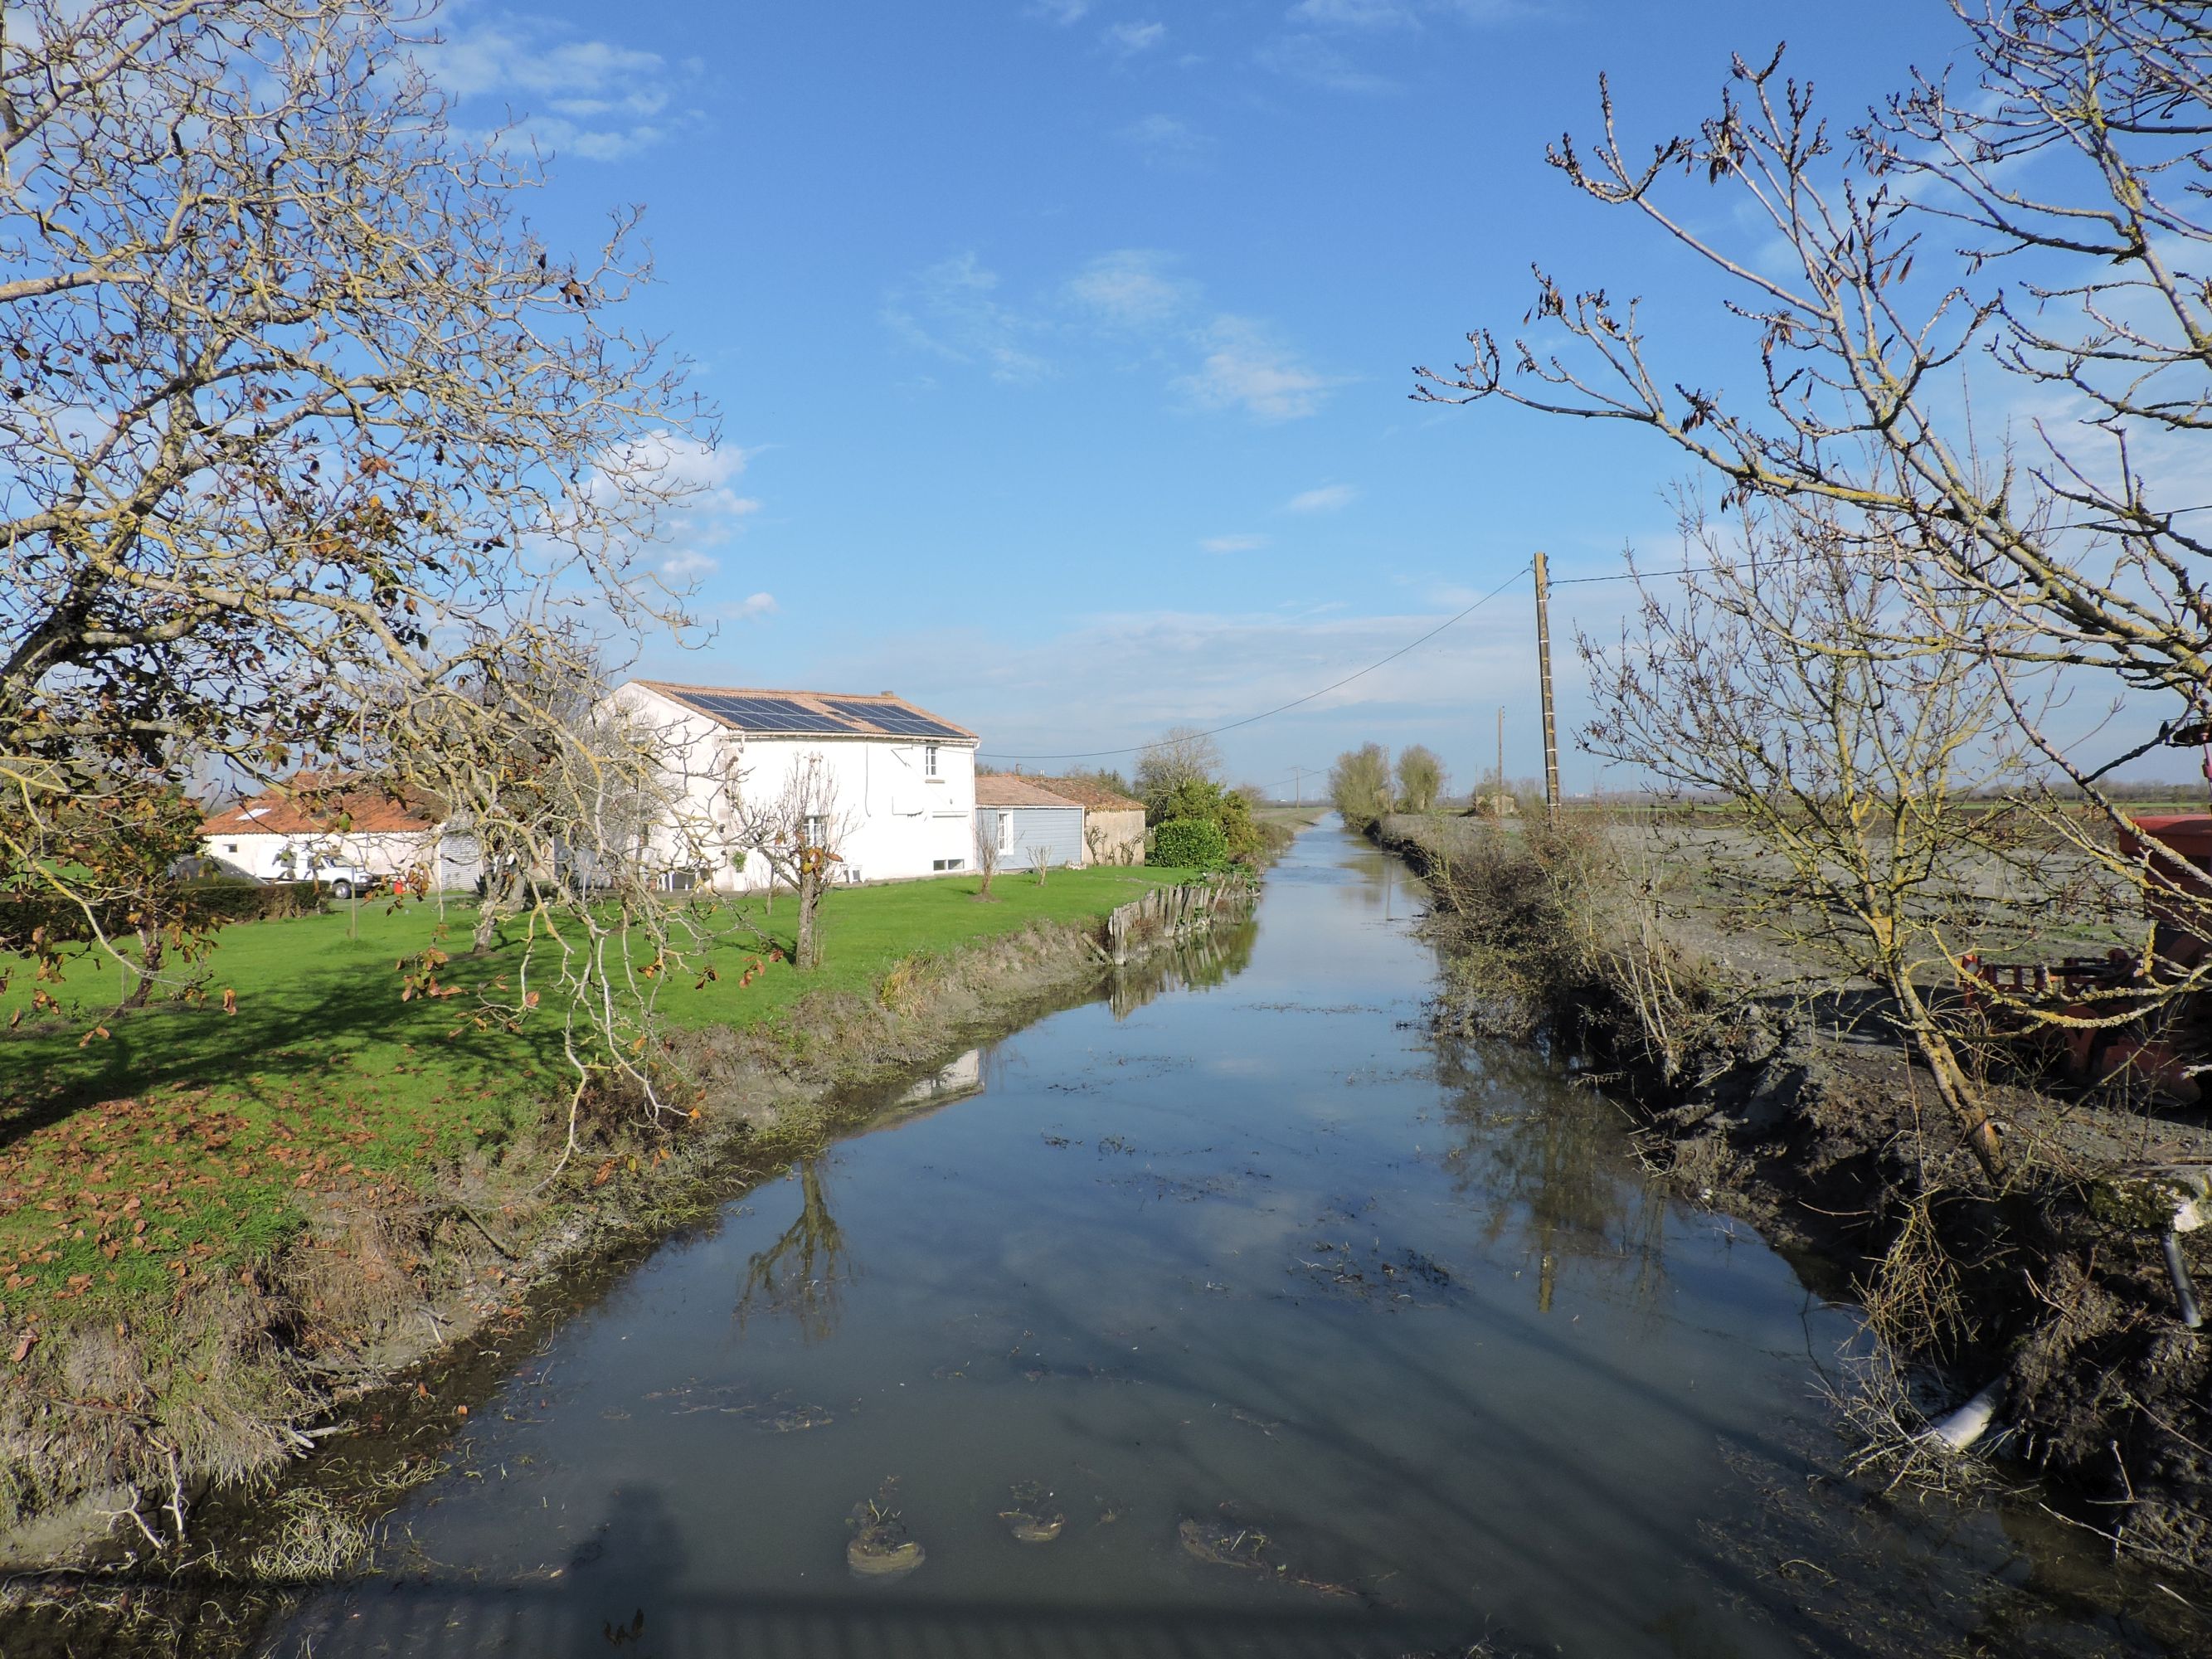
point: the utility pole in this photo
(1497, 803)
(1299, 774)
(1544, 678)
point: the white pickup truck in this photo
(343, 880)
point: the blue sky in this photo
(1063, 346)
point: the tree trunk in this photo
(1957, 1093)
(810, 896)
(149, 963)
(490, 907)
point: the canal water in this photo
(1315, 1335)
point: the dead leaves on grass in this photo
(131, 1178)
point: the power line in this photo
(1683, 570)
(1253, 720)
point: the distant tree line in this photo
(1365, 784)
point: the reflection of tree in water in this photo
(1555, 1160)
(801, 1273)
(1203, 960)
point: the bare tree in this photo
(986, 856)
(1181, 755)
(1040, 863)
(797, 832)
(2082, 282)
(1420, 779)
(2025, 239)
(1776, 681)
(308, 439)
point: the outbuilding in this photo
(1112, 824)
(1021, 820)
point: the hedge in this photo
(1190, 844)
(202, 902)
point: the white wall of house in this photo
(288, 858)
(908, 807)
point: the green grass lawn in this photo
(188, 1140)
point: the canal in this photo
(1232, 1313)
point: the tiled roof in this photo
(840, 713)
(1005, 789)
(1085, 793)
(364, 812)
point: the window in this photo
(230, 847)
(929, 760)
(818, 829)
(1005, 832)
(948, 864)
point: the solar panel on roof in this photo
(766, 714)
(891, 717)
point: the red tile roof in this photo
(1005, 789)
(1085, 793)
(363, 811)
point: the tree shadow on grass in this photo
(281, 1041)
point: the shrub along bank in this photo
(217, 1216)
(2054, 1286)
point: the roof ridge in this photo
(776, 691)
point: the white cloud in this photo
(752, 608)
(1166, 141)
(1309, 57)
(1242, 544)
(951, 308)
(1127, 297)
(1154, 669)
(1400, 14)
(1127, 39)
(1354, 13)
(705, 510)
(1329, 498)
(687, 562)
(591, 98)
(1244, 366)
(1130, 288)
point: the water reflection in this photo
(1197, 963)
(955, 1081)
(1550, 1167)
(802, 1272)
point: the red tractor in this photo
(2119, 1013)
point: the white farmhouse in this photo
(900, 782)
(284, 833)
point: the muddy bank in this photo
(136, 1456)
(1799, 1113)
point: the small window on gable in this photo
(230, 847)
(929, 760)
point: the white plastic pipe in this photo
(1971, 1420)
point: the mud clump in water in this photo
(1033, 1520)
(881, 1547)
(1223, 1543)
